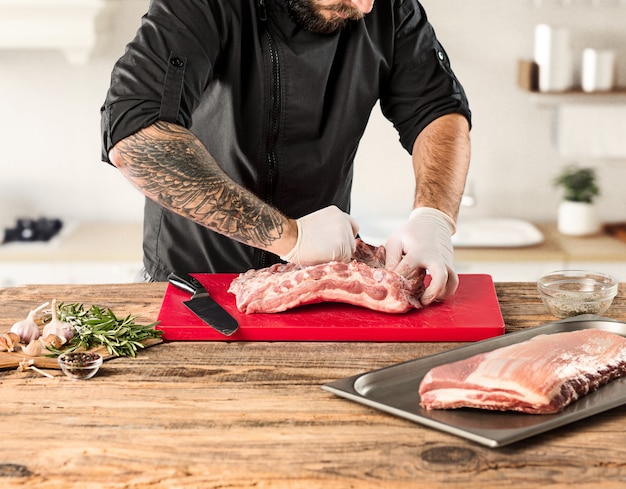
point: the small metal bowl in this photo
(568, 293)
(80, 365)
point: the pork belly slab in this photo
(538, 376)
(282, 287)
(362, 282)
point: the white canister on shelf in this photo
(553, 55)
(598, 70)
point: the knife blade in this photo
(203, 305)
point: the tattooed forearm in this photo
(170, 166)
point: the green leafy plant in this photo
(97, 326)
(579, 184)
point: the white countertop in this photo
(600, 248)
(82, 242)
(122, 242)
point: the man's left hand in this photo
(425, 241)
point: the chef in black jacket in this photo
(239, 121)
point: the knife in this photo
(203, 305)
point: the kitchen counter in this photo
(82, 253)
(108, 252)
(106, 241)
(601, 252)
(250, 415)
(556, 246)
(82, 242)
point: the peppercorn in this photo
(80, 365)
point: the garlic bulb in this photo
(56, 327)
(27, 329)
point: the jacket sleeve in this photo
(165, 68)
(422, 86)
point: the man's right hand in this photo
(323, 236)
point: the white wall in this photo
(514, 159)
(50, 136)
(50, 130)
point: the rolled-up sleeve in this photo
(164, 70)
(422, 86)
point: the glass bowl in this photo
(80, 365)
(568, 293)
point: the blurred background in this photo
(55, 62)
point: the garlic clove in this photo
(14, 338)
(33, 349)
(54, 341)
(8, 341)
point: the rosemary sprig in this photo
(96, 326)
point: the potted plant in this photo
(577, 213)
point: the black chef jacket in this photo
(282, 110)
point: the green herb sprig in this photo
(97, 326)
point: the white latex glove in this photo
(425, 241)
(323, 236)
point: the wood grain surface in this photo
(253, 415)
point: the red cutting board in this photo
(472, 314)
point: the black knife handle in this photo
(186, 282)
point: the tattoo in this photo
(170, 166)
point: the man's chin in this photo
(316, 21)
(328, 27)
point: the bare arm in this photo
(441, 155)
(169, 165)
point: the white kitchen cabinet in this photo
(587, 125)
(21, 273)
(67, 25)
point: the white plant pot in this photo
(577, 218)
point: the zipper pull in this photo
(262, 10)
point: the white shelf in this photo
(574, 97)
(65, 25)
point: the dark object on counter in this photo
(203, 305)
(42, 229)
(617, 229)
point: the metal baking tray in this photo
(394, 390)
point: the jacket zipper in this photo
(274, 121)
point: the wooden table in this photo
(253, 415)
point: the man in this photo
(239, 121)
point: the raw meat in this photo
(372, 256)
(362, 282)
(539, 376)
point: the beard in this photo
(308, 15)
